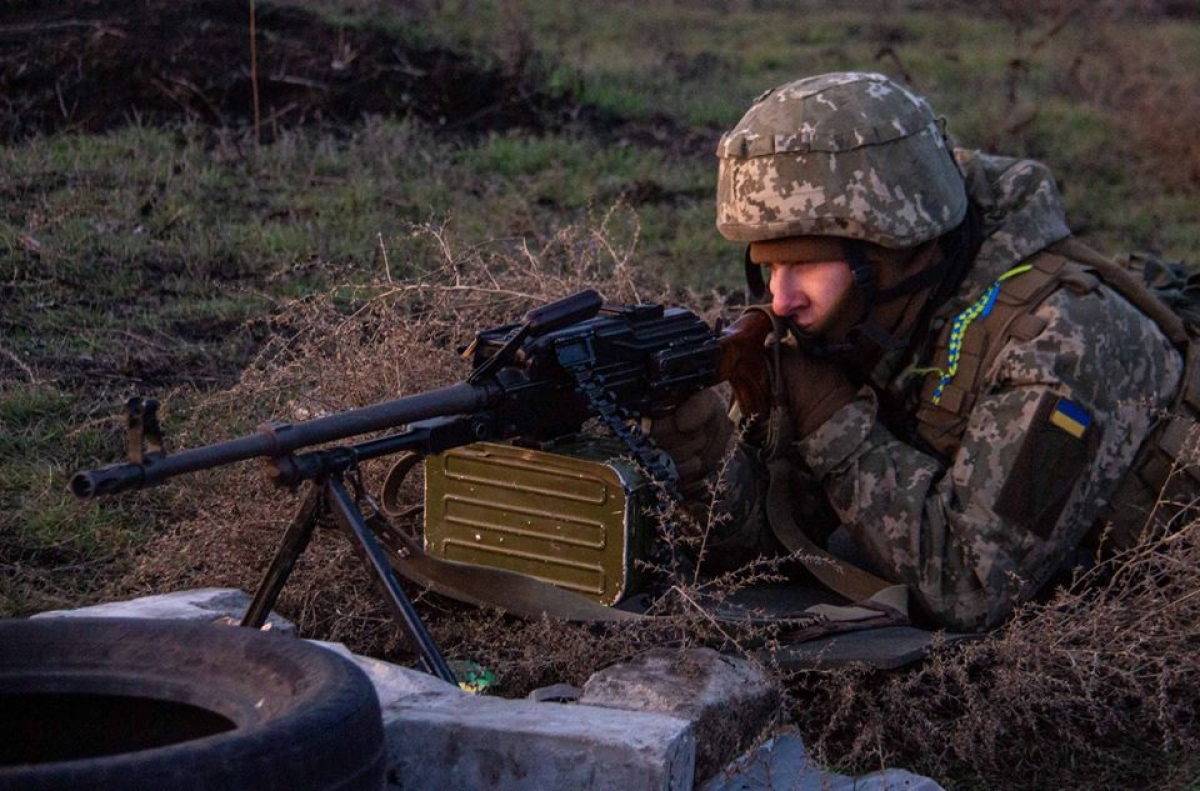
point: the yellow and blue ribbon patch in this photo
(980, 309)
(1071, 418)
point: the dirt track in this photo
(91, 65)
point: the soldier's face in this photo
(815, 295)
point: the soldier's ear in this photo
(757, 290)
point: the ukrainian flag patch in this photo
(1071, 418)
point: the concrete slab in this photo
(556, 693)
(730, 701)
(396, 685)
(782, 764)
(654, 723)
(226, 605)
(491, 743)
(440, 737)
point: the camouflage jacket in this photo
(968, 534)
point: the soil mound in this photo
(91, 65)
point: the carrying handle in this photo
(540, 321)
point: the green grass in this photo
(701, 64)
(54, 549)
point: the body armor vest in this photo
(1158, 474)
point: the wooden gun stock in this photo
(744, 363)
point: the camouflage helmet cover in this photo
(846, 154)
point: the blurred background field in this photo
(178, 220)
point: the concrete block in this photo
(556, 693)
(227, 605)
(503, 745)
(729, 700)
(440, 737)
(781, 764)
(396, 685)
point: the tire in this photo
(114, 703)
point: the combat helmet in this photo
(854, 157)
(847, 154)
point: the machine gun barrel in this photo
(277, 440)
(568, 361)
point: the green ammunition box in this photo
(574, 515)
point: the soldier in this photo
(966, 385)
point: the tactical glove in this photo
(815, 389)
(695, 435)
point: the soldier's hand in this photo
(815, 389)
(695, 435)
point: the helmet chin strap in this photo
(865, 279)
(756, 287)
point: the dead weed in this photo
(1098, 686)
(358, 345)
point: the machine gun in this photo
(568, 362)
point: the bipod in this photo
(327, 496)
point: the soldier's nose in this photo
(787, 299)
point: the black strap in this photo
(918, 281)
(755, 285)
(877, 335)
(863, 272)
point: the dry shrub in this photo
(358, 345)
(1097, 688)
(1158, 114)
(1115, 55)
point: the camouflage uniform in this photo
(984, 526)
(936, 526)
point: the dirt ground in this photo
(91, 65)
(94, 65)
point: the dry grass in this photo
(358, 345)
(1097, 687)
(1156, 110)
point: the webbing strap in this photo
(941, 422)
(527, 597)
(868, 591)
(980, 309)
(857, 585)
(1128, 286)
(925, 278)
(492, 587)
(862, 272)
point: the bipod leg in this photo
(350, 518)
(294, 542)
